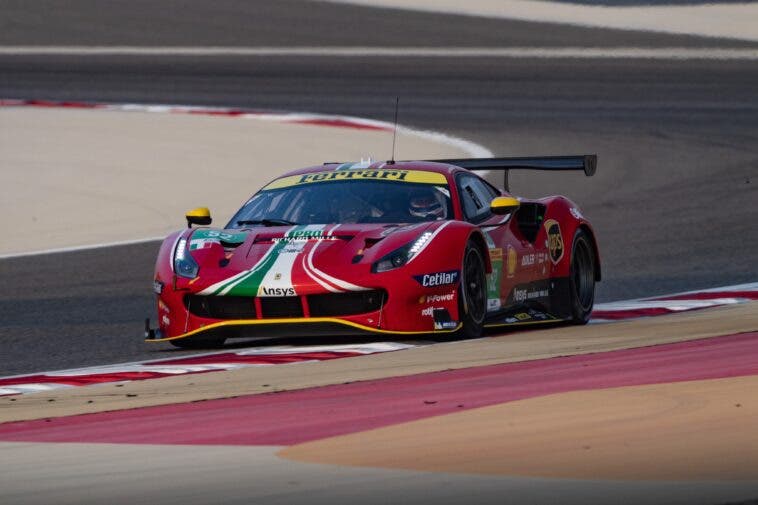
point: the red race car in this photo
(407, 247)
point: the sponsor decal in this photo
(218, 235)
(268, 291)
(395, 175)
(203, 238)
(445, 325)
(448, 297)
(304, 236)
(512, 261)
(292, 247)
(528, 260)
(202, 243)
(441, 319)
(494, 278)
(429, 311)
(525, 294)
(554, 240)
(157, 287)
(438, 278)
(528, 316)
(540, 293)
(519, 295)
(576, 213)
(412, 176)
(165, 320)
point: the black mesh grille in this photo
(324, 305)
(221, 307)
(346, 304)
(281, 306)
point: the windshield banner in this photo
(411, 176)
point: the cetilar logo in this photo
(265, 291)
(437, 279)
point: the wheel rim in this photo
(474, 285)
(584, 275)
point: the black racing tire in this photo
(472, 293)
(582, 278)
(199, 343)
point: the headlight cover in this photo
(184, 263)
(401, 255)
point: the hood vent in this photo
(371, 241)
(230, 245)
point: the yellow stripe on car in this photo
(298, 320)
(413, 176)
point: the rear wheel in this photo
(472, 293)
(582, 278)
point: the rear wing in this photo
(587, 163)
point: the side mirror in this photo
(200, 216)
(503, 205)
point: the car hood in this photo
(294, 260)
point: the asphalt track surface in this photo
(674, 203)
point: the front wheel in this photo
(582, 278)
(472, 293)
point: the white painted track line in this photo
(81, 247)
(658, 53)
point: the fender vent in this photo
(529, 218)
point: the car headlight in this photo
(401, 255)
(184, 263)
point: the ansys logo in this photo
(554, 240)
(264, 291)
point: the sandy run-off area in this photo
(728, 20)
(77, 177)
(697, 430)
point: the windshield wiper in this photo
(266, 222)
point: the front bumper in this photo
(402, 307)
(286, 327)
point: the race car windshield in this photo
(353, 201)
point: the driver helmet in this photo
(426, 205)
